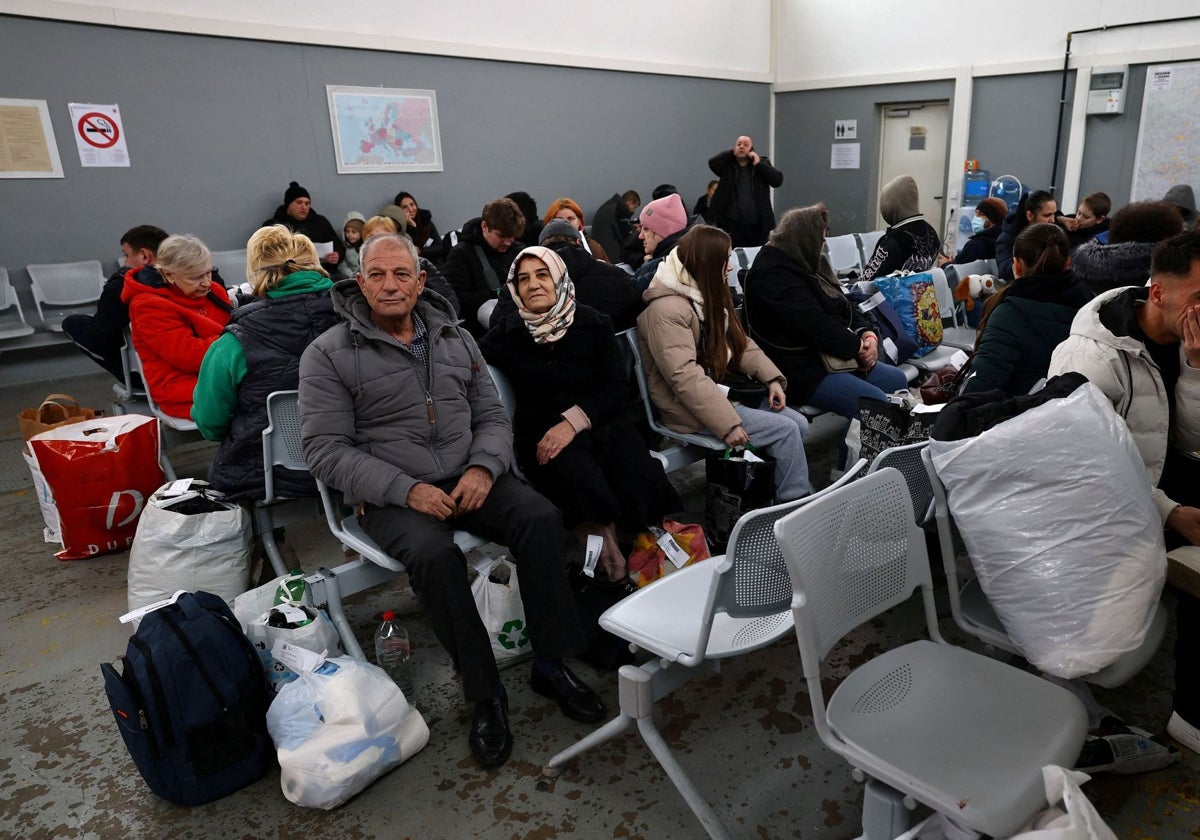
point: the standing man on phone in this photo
(741, 206)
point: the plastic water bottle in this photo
(393, 651)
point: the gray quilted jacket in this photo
(370, 424)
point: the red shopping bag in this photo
(100, 473)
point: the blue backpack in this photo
(191, 702)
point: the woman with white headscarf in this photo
(571, 387)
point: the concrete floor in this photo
(745, 735)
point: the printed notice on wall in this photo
(845, 156)
(1160, 79)
(27, 148)
(99, 135)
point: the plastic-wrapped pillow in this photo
(914, 298)
(1058, 517)
(339, 728)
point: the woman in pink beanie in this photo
(663, 222)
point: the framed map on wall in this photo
(384, 129)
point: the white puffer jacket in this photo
(1122, 368)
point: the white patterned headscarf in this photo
(551, 325)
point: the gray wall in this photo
(1013, 121)
(804, 133)
(1108, 155)
(217, 127)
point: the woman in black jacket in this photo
(570, 383)
(421, 228)
(796, 312)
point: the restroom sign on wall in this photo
(99, 136)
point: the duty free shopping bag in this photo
(100, 473)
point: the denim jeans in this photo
(839, 392)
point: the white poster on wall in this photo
(99, 135)
(845, 156)
(27, 147)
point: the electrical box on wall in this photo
(1106, 90)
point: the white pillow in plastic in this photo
(1056, 511)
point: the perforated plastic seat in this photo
(695, 617)
(11, 327)
(907, 459)
(962, 733)
(64, 285)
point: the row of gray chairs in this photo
(927, 722)
(849, 254)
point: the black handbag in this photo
(741, 387)
(736, 486)
(744, 389)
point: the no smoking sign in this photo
(99, 137)
(98, 130)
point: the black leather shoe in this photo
(490, 738)
(574, 698)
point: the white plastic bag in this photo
(52, 533)
(253, 609)
(1080, 820)
(338, 728)
(1056, 511)
(207, 552)
(501, 609)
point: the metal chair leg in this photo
(639, 688)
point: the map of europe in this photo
(386, 130)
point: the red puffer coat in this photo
(171, 333)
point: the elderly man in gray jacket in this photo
(399, 413)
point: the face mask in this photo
(977, 223)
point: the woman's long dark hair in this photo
(1044, 249)
(1030, 203)
(420, 226)
(704, 252)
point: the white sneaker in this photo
(1183, 732)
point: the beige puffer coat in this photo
(669, 337)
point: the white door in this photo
(913, 142)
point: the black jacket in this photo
(316, 227)
(610, 225)
(724, 203)
(794, 320)
(603, 287)
(911, 245)
(465, 273)
(981, 246)
(274, 333)
(585, 367)
(426, 237)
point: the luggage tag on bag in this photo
(591, 554)
(296, 658)
(136, 615)
(674, 551)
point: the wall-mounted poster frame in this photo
(378, 129)
(27, 146)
